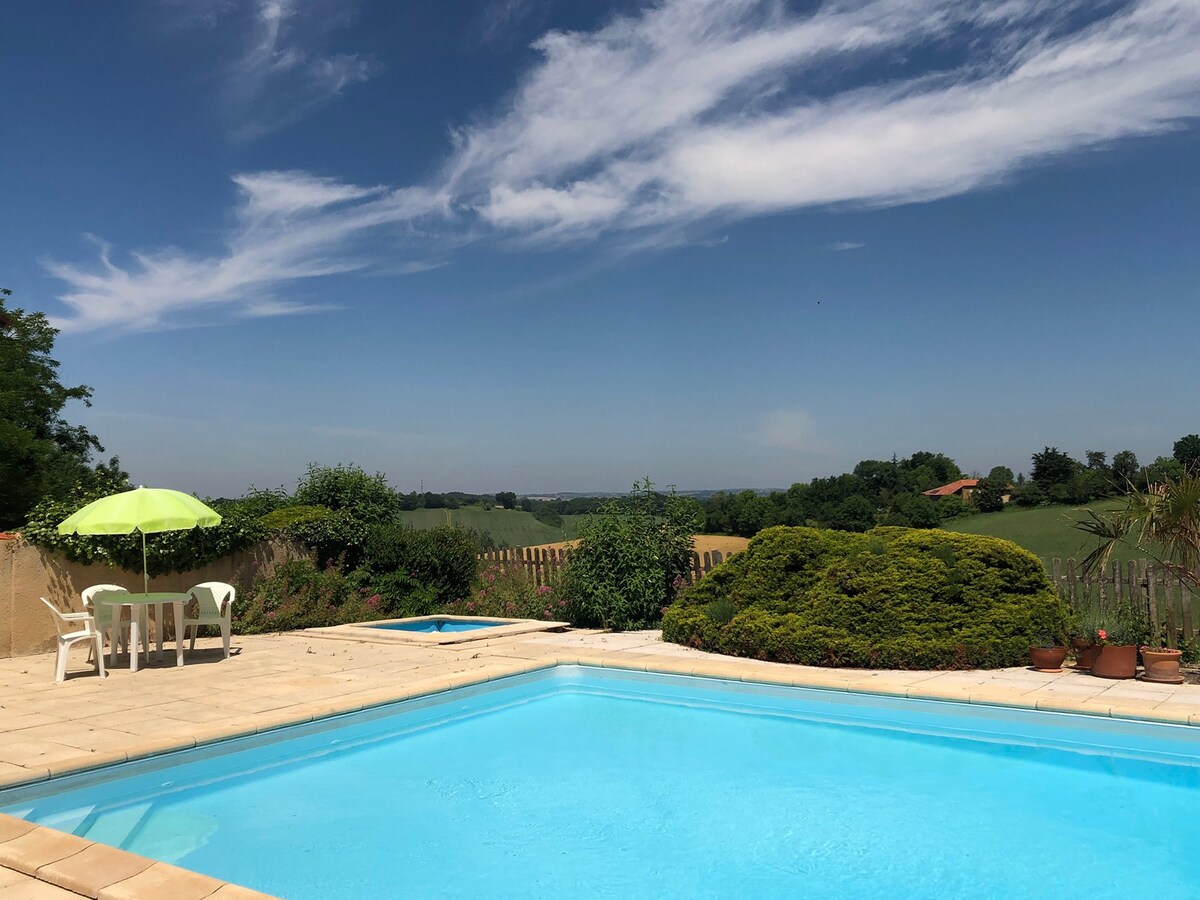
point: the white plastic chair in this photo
(89, 632)
(213, 606)
(108, 619)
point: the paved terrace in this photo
(276, 680)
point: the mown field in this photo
(508, 527)
(1047, 531)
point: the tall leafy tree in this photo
(41, 454)
(1052, 468)
(1187, 450)
(1124, 468)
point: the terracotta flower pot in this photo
(1115, 661)
(1085, 653)
(1162, 665)
(1048, 659)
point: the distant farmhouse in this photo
(961, 489)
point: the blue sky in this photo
(532, 245)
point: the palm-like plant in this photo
(1162, 521)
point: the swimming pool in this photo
(437, 629)
(429, 625)
(578, 782)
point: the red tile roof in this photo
(952, 488)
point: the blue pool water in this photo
(587, 783)
(437, 626)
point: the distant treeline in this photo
(878, 492)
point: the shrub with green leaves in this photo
(893, 598)
(301, 594)
(416, 571)
(168, 551)
(632, 557)
(508, 590)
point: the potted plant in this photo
(1047, 655)
(1117, 645)
(1083, 640)
(1161, 664)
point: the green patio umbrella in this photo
(148, 510)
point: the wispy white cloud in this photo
(282, 68)
(692, 109)
(842, 246)
(290, 226)
(695, 112)
(500, 18)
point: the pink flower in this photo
(373, 601)
(544, 589)
(1102, 634)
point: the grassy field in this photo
(508, 527)
(1047, 531)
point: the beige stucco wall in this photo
(27, 573)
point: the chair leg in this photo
(194, 629)
(225, 637)
(98, 642)
(60, 664)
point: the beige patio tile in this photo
(9, 877)
(32, 889)
(39, 847)
(16, 721)
(93, 868)
(162, 880)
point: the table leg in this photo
(158, 629)
(134, 637)
(178, 607)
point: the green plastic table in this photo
(141, 601)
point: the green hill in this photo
(508, 527)
(1046, 531)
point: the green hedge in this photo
(892, 598)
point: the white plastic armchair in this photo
(109, 621)
(87, 631)
(213, 606)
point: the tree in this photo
(1187, 450)
(1097, 460)
(1124, 468)
(507, 499)
(1163, 522)
(1051, 468)
(633, 556)
(41, 455)
(989, 494)
(855, 513)
(1001, 474)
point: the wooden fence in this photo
(1170, 603)
(544, 563)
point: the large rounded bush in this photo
(892, 598)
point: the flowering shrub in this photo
(301, 594)
(509, 591)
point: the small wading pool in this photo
(578, 782)
(438, 629)
(437, 626)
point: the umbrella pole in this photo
(145, 572)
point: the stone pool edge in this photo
(100, 872)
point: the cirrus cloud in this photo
(692, 113)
